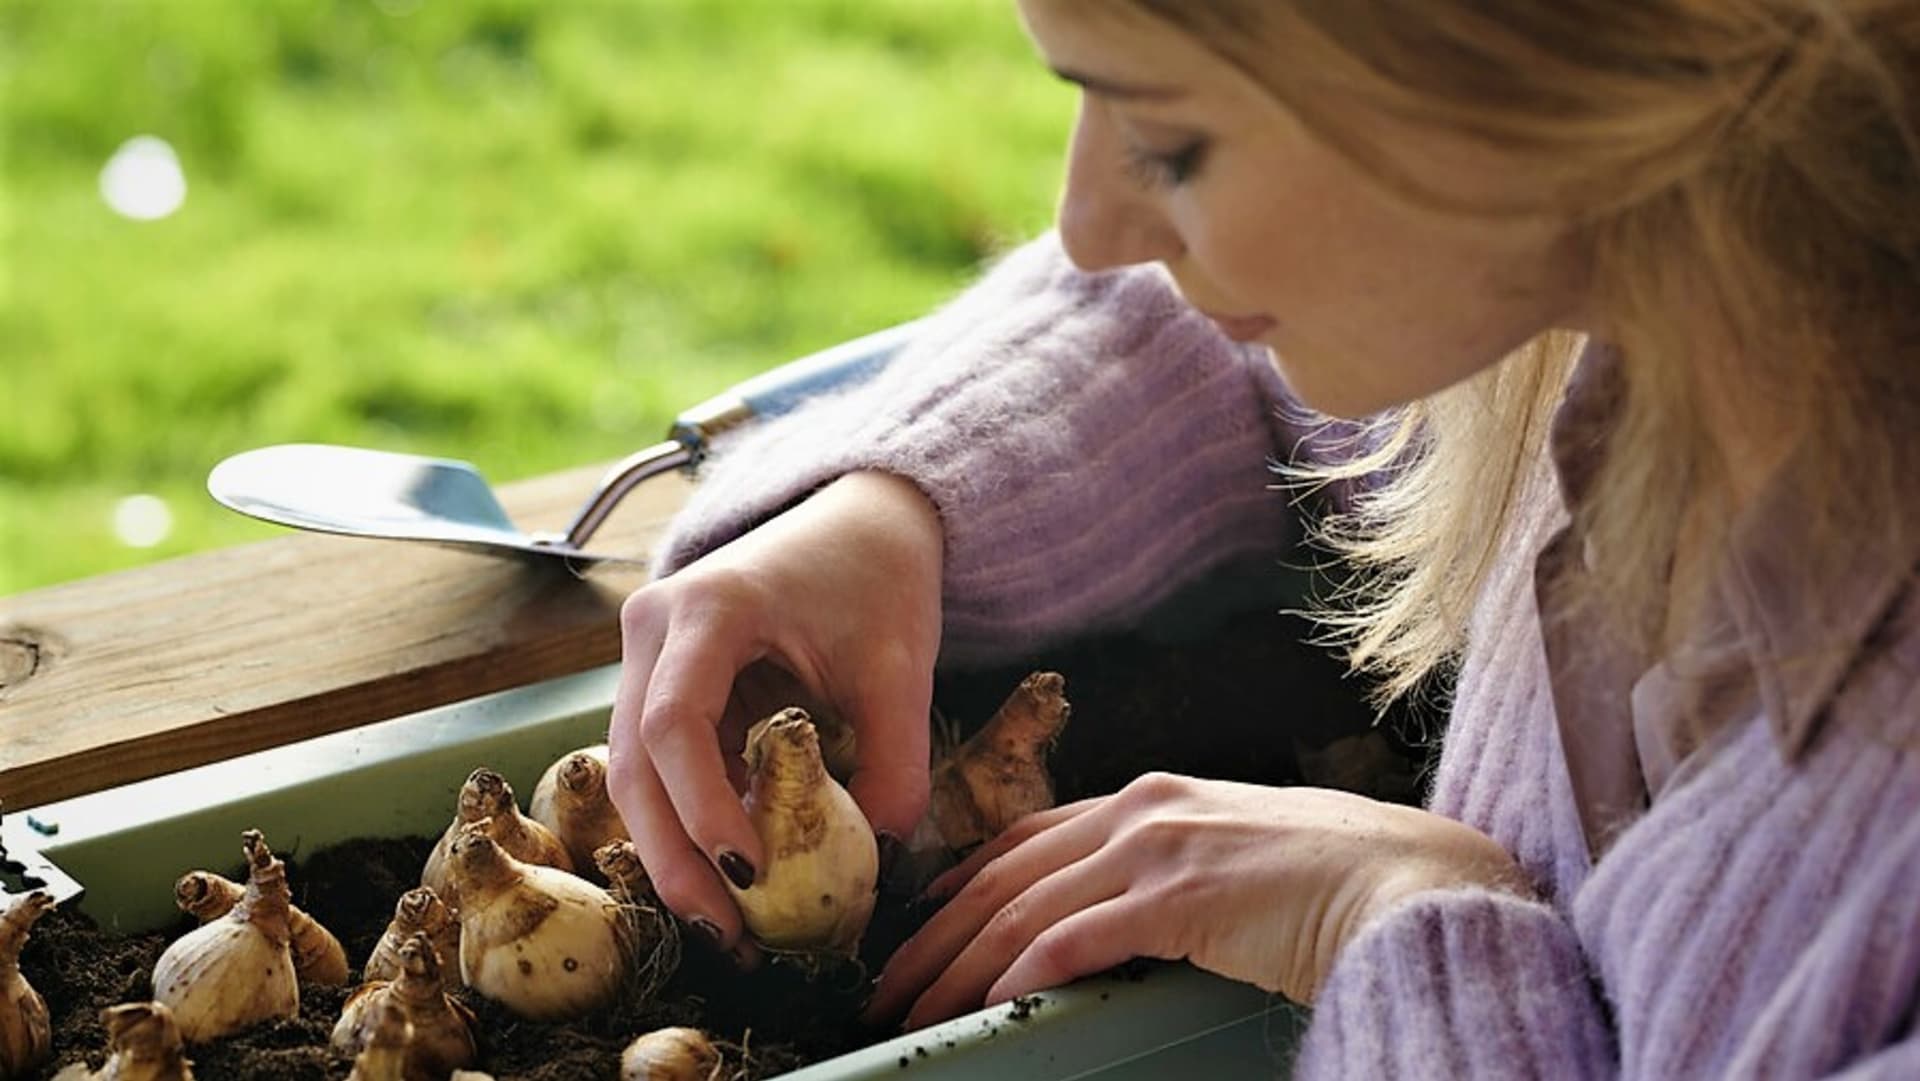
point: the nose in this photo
(1106, 219)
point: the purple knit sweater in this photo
(1092, 445)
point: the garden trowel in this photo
(374, 493)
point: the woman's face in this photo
(1366, 302)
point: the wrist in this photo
(893, 505)
(1452, 857)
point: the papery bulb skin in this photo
(418, 909)
(652, 933)
(439, 1029)
(385, 1055)
(816, 892)
(671, 1054)
(619, 865)
(26, 1029)
(318, 956)
(1000, 774)
(237, 970)
(486, 796)
(572, 801)
(143, 1044)
(205, 895)
(547, 944)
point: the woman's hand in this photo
(834, 604)
(1263, 885)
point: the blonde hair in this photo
(1756, 156)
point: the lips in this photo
(1242, 328)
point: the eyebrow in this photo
(1107, 88)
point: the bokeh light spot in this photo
(142, 521)
(143, 179)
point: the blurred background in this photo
(519, 232)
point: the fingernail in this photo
(736, 868)
(708, 929)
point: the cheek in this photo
(1285, 241)
(1258, 268)
(1368, 326)
(1376, 307)
(1421, 328)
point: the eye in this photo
(1154, 169)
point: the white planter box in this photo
(399, 778)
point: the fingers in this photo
(1011, 931)
(1094, 939)
(659, 728)
(841, 595)
(680, 873)
(679, 720)
(956, 877)
(1001, 909)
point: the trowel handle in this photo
(766, 395)
(782, 389)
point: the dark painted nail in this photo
(708, 929)
(737, 869)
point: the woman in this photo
(1628, 290)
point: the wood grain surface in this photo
(130, 675)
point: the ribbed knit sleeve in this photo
(1090, 442)
(1763, 921)
(1463, 983)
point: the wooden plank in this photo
(131, 675)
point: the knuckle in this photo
(695, 596)
(1155, 787)
(639, 612)
(1058, 950)
(1006, 927)
(664, 719)
(990, 881)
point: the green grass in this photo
(519, 232)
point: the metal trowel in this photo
(373, 493)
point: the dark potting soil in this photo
(1245, 701)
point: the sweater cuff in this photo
(1461, 983)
